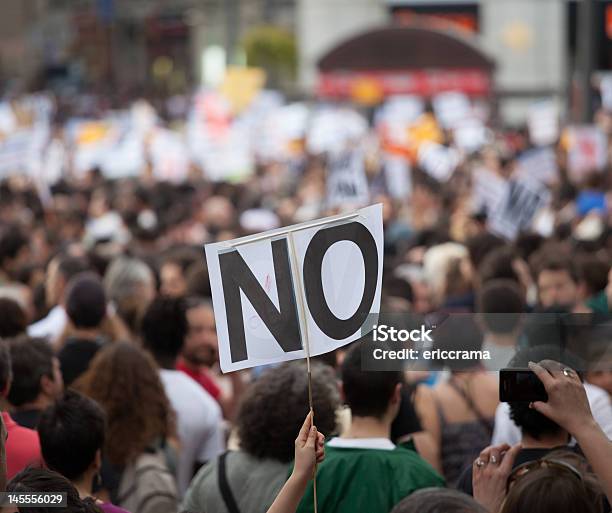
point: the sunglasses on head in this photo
(525, 468)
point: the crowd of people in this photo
(109, 373)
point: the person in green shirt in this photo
(363, 470)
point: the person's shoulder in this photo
(177, 383)
(24, 433)
(407, 460)
(203, 484)
(596, 394)
(22, 439)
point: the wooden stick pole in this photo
(302, 312)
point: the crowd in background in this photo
(109, 361)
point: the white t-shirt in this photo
(506, 431)
(199, 423)
(51, 326)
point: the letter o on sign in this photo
(331, 325)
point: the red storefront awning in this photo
(404, 60)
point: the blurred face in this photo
(421, 302)
(556, 287)
(200, 346)
(172, 280)
(54, 387)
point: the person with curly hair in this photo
(123, 379)
(271, 413)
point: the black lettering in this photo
(331, 325)
(283, 324)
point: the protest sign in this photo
(399, 110)
(168, 156)
(91, 142)
(298, 291)
(15, 152)
(470, 134)
(540, 163)
(451, 108)
(488, 191)
(587, 151)
(543, 123)
(398, 176)
(279, 132)
(524, 197)
(438, 161)
(332, 130)
(346, 180)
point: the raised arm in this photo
(308, 451)
(568, 406)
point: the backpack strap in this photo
(226, 491)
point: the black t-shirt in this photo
(407, 420)
(465, 480)
(76, 355)
(27, 418)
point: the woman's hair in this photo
(45, 480)
(124, 380)
(274, 408)
(438, 500)
(553, 489)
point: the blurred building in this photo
(534, 43)
(168, 46)
(126, 46)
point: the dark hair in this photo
(530, 421)
(164, 327)
(367, 393)
(45, 480)
(551, 260)
(11, 243)
(71, 431)
(183, 257)
(393, 286)
(5, 365)
(198, 281)
(270, 432)
(197, 302)
(498, 264)
(500, 297)
(85, 300)
(31, 359)
(438, 500)
(593, 272)
(13, 319)
(551, 490)
(69, 266)
(479, 246)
